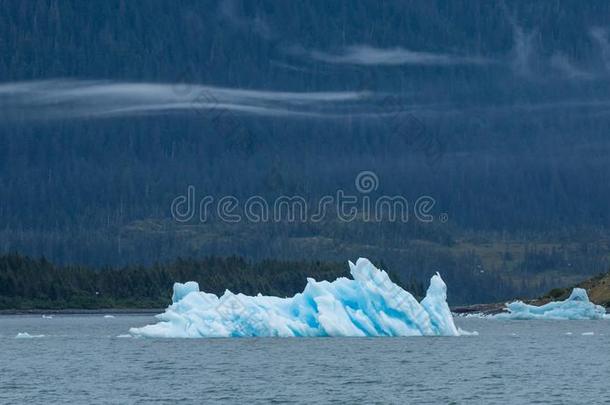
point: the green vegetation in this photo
(598, 289)
(26, 283)
(478, 267)
(557, 293)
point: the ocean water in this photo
(81, 360)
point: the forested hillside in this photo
(26, 283)
(499, 111)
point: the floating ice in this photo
(463, 332)
(368, 305)
(577, 306)
(25, 335)
(109, 316)
(478, 315)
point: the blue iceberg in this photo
(370, 304)
(577, 306)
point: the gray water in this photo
(81, 360)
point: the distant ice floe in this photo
(108, 316)
(370, 304)
(577, 306)
(47, 317)
(463, 332)
(478, 315)
(25, 335)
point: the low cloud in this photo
(74, 99)
(368, 55)
(81, 98)
(229, 11)
(567, 69)
(523, 51)
(600, 36)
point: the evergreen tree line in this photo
(27, 283)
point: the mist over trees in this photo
(499, 111)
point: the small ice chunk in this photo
(25, 335)
(108, 316)
(182, 290)
(463, 332)
(47, 316)
(588, 333)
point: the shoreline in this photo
(77, 311)
(462, 309)
(486, 309)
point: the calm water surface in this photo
(81, 360)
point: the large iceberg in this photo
(369, 305)
(577, 306)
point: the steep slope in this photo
(598, 289)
